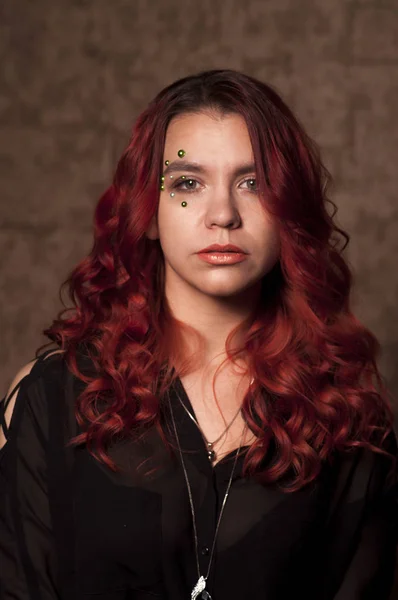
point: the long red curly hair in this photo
(317, 387)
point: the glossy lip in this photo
(220, 248)
(222, 258)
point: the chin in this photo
(225, 291)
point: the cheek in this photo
(169, 220)
(170, 210)
(175, 233)
(269, 243)
(275, 239)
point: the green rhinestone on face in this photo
(162, 187)
(166, 162)
(181, 153)
(162, 178)
(183, 203)
(182, 177)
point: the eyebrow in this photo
(192, 167)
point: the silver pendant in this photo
(199, 590)
(210, 452)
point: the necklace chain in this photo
(191, 500)
(210, 445)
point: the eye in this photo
(186, 184)
(251, 184)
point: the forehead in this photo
(208, 135)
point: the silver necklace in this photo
(199, 590)
(211, 454)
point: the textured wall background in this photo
(75, 74)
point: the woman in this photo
(212, 423)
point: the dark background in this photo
(75, 74)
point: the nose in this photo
(222, 210)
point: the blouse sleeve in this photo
(361, 545)
(28, 557)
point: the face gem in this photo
(181, 153)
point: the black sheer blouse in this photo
(71, 528)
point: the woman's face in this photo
(216, 179)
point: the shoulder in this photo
(51, 362)
(32, 371)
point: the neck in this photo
(212, 318)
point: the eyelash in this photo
(180, 182)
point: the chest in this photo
(218, 415)
(136, 533)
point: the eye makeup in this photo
(181, 153)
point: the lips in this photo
(220, 248)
